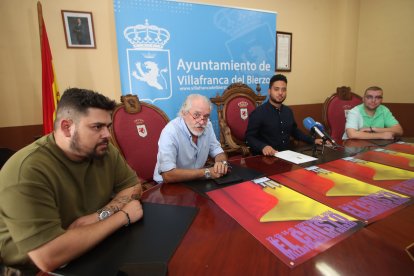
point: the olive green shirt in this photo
(42, 192)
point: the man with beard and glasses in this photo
(371, 119)
(272, 124)
(186, 142)
(69, 190)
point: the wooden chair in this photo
(234, 108)
(335, 109)
(136, 128)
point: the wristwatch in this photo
(207, 173)
(104, 213)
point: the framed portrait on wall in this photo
(283, 51)
(79, 31)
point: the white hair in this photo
(188, 103)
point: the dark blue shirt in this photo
(271, 126)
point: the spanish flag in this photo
(50, 91)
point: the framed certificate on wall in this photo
(283, 51)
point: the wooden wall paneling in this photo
(19, 136)
(404, 113)
(307, 110)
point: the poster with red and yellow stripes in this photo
(363, 189)
(291, 225)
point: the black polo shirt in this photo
(271, 126)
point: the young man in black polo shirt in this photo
(271, 124)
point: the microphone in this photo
(315, 127)
(329, 137)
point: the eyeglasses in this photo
(198, 117)
(370, 97)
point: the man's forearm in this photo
(123, 197)
(180, 175)
(356, 134)
(74, 242)
(116, 204)
(397, 130)
(220, 157)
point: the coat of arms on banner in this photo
(141, 128)
(244, 114)
(149, 67)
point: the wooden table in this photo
(215, 244)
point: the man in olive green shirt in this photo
(371, 119)
(67, 191)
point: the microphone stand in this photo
(324, 139)
(314, 144)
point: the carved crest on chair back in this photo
(344, 93)
(131, 102)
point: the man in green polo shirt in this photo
(371, 119)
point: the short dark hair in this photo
(278, 77)
(372, 88)
(77, 101)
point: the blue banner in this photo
(168, 50)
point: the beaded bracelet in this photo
(127, 215)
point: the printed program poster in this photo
(360, 199)
(402, 147)
(291, 225)
(388, 177)
(390, 157)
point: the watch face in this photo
(207, 173)
(104, 214)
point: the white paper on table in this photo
(294, 157)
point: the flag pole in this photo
(50, 91)
(40, 20)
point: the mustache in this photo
(200, 125)
(104, 142)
